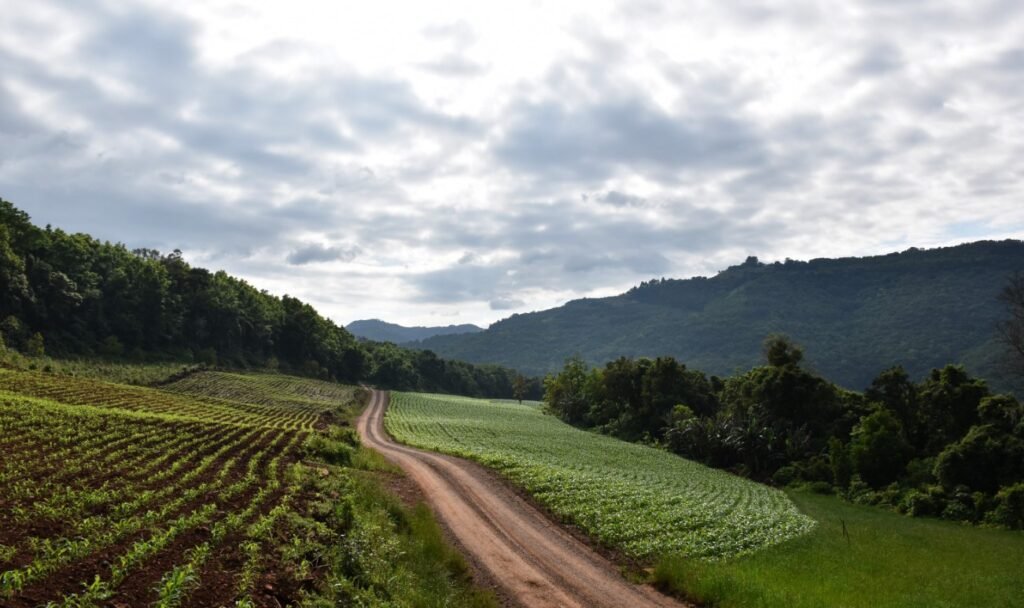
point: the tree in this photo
(780, 351)
(1011, 329)
(566, 393)
(840, 463)
(519, 387)
(36, 346)
(878, 449)
(894, 390)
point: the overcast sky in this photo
(452, 162)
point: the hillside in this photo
(854, 316)
(382, 331)
(73, 296)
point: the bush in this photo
(919, 472)
(820, 487)
(335, 447)
(920, 504)
(1009, 509)
(111, 347)
(957, 511)
(206, 356)
(35, 346)
(784, 476)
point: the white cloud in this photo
(499, 157)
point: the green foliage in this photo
(639, 499)
(860, 557)
(1009, 510)
(206, 469)
(853, 316)
(89, 297)
(780, 351)
(950, 398)
(35, 346)
(986, 458)
(878, 449)
(840, 462)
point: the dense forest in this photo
(70, 295)
(919, 309)
(945, 446)
(381, 331)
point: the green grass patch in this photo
(641, 500)
(885, 560)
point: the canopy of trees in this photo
(72, 295)
(941, 446)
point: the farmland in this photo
(223, 489)
(686, 520)
(640, 500)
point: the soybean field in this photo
(634, 498)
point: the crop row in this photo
(83, 391)
(639, 499)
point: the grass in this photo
(643, 501)
(889, 561)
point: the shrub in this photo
(335, 447)
(1009, 509)
(111, 347)
(784, 476)
(207, 356)
(920, 504)
(820, 487)
(35, 346)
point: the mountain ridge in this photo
(383, 331)
(920, 308)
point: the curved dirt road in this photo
(534, 561)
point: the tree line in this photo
(943, 446)
(71, 295)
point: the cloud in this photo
(599, 140)
(506, 304)
(481, 174)
(315, 252)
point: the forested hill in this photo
(854, 316)
(381, 331)
(74, 296)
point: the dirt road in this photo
(533, 560)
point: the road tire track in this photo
(532, 559)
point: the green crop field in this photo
(641, 500)
(223, 490)
(715, 538)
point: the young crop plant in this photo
(126, 495)
(638, 499)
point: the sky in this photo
(449, 162)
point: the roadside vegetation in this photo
(225, 490)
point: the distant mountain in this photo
(854, 317)
(381, 331)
